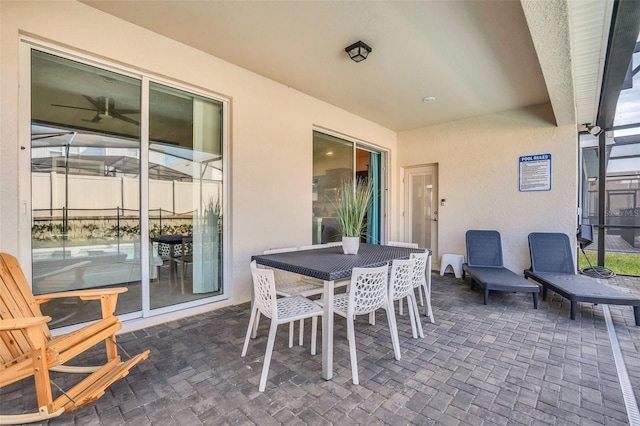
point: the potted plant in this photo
(352, 203)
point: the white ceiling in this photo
(474, 57)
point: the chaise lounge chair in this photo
(485, 267)
(552, 266)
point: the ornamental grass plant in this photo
(352, 203)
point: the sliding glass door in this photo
(335, 160)
(93, 172)
(85, 179)
(185, 194)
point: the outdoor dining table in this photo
(331, 264)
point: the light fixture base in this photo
(358, 51)
(594, 130)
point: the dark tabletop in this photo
(171, 239)
(331, 263)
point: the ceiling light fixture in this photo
(428, 99)
(358, 51)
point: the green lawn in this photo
(620, 263)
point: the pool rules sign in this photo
(534, 173)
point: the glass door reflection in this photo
(185, 195)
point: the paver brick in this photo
(498, 364)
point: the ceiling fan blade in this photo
(95, 119)
(93, 101)
(127, 111)
(47, 136)
(123, 118)
(73, 107)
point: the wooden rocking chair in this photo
(27, 347)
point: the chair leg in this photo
(291, 324)
(267, 355)
(412, 315)
(420, 295)
(393, 329)
(427, 309)
(351, 335)
(314, 334)
(400, 307)
(255, 326)
(372, 318)
(251, 329)
(417, 316)
(301, 333)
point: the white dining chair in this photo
(401, 287)
(406, 245)
(314, 246)
(280, 310)
(368, 293)
(422, 280)
(290, 284)
(402, 244)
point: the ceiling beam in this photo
(549, 27)
(625, 26)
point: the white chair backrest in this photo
(314, 246)
(401, 280)
(264, 291)
(280, 250)
(401, 244)
(368, 290)
(334, 244)
(419, 275)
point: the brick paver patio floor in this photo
(500, 364)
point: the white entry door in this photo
(421, 207)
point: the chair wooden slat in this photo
(27, 347)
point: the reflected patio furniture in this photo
(169, 248)
(280, 310)
(330, 230)
(184, 258)
(27, 348)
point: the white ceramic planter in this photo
(350, 245)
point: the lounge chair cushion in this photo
(500, 279)
(485, 266)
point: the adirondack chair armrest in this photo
(21, 323)
(108, 297)
(92, 294)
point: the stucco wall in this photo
(271, 125)
(478, 176)
(270, 136)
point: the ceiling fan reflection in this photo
(105, 107)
